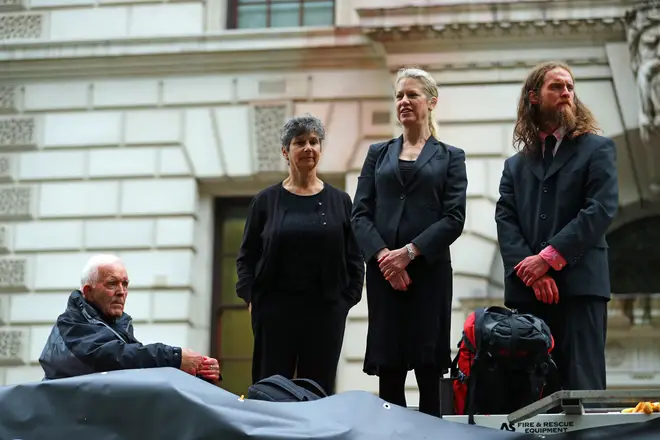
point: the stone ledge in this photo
(486, 12)
(448, 34)
(11, 5)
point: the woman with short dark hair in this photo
(299, 266)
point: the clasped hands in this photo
(393, 266)
(533, 272)
(197, 365)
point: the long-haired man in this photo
(558, 196)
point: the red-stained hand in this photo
(546, 290)
(531, 269)
(210, 369)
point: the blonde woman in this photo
(409, 208)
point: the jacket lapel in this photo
(535, 163)
(428, 151)
(393, 152)
(565, 151)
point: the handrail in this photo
(571, 401)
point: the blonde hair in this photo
(429, 86)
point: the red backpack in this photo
(503, 362)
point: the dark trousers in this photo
(298, 338)
(579, 328)
(392, 384)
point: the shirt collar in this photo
(558, 134)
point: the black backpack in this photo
(280, 389)
(503, 362)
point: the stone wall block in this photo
(13, 345)
(18, 133)
(8, 96)
(14, 274)
(17, 202)
(21, 26)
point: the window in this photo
(246, 14)
(231, 337)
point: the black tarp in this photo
(165, 403)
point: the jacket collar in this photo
(77, 302)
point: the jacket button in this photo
(544, 243)
(545, 189)
(543, 216)
(401, 196)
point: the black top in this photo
(406, 167)
(298, 263)
(298, 243)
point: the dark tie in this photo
(548, 154)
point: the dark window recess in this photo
(255, 14)
(231, 335)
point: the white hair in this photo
(90, 272)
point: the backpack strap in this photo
(478, 334)
(311, 386)
(286, 385)
(478, 338)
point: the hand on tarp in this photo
(209, 370)
(644, 407)
(204, 367)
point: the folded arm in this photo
(354, 260)
(249, 252)
(441, 234)
(513, 245)
(600, 207)
(364, 207)
(98, 347)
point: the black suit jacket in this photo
(570, 208)
(428, 211)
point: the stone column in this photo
(643, 33)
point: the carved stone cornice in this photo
(447, 35)
(236, 51)
(503, 11)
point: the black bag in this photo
(280, 389)
(510, 361)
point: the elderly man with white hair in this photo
(95, 335)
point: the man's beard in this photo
(564, 116)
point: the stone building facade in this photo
(143, 127)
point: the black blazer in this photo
(343, 272)
(570, 208)
(428, 211)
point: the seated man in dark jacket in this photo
(95, 335)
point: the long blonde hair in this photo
(429, 86)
